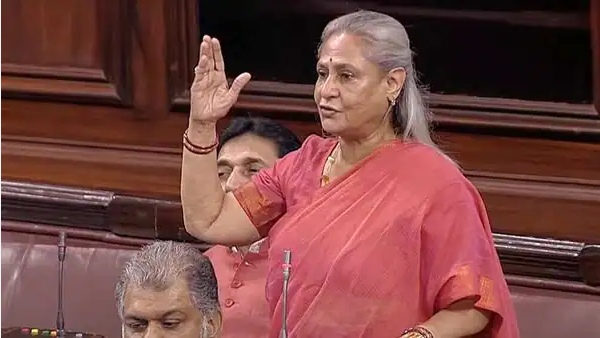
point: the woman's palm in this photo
(211, 98)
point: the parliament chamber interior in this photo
(95, 98)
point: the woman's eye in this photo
(346, 76)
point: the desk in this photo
(20, 332)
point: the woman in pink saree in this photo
(388, 238)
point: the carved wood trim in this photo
(110, 84)
(589, 262)
(19, 81)
(163, 219)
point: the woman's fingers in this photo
(238, 84)
(202, 68)
(203, 62)
(209, 52)
(218, 55)
(206, 53)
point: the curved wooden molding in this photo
(590, 264)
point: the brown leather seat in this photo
(95, 259)
(30, 282)
(556, 314)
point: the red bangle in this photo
(196, 149)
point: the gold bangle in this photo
(417, 332)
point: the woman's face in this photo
(351, 92)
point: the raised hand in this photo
(211, 98)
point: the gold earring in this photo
(392, 101)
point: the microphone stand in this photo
(287, 257)
(60, 320)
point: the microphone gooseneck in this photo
(62, 251)
(287, 258)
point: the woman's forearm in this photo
(201, 192)
(461, 319)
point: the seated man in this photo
(169, 289)
(247, 145)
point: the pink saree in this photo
(378, 250)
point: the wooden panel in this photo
(539, 205)
(527, 206)
(182, 46)
(149, 62)
(595, 28)
(139, 170)
(68, 49)
(537, 163)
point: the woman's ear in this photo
(395, 82)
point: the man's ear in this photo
(395, 81)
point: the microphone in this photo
(62, 251)
(287, 258)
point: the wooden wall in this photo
(94, 93)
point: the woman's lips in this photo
(327, 112)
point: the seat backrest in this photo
(556, 314)
(30, 283)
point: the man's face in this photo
(242, 157)
(163, 314)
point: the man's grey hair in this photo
(157, 266)
(387, 45)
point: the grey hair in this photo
(159, 265)
(388, 46)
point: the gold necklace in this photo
(325, 178)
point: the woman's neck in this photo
(354, 150)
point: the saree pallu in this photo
(380, 249)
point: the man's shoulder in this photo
(217, 251)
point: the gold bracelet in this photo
(417, 332)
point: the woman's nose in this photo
(329, 88)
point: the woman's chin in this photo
(332, 128)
